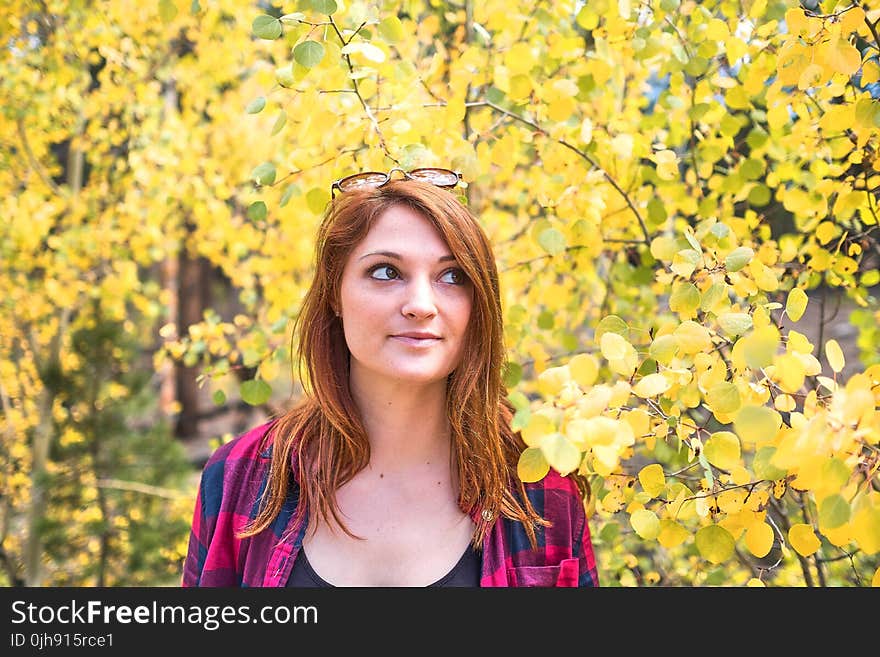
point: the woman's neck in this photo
(406, 424)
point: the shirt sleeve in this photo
(202, 540)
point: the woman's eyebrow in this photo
(396, 256)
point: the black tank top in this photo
(465, 573)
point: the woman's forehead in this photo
(402, 230)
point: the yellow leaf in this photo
(796, 21)
(715, 543)
(663, 349)
(796, 304)
(671, 534)
(723, 398)
(851, 21)
(667, 164)
(813, 75)
(826, 231)
(613, 346)
(586, 131)
(539, 425)
(652, 479)
(756, 424)
(722, 450)
(792, 60)
(834, 354)
(532, 465)
(685, 262)
(875, 580)
(684, 300)
(803, 539)
(843, 57)
(717, 30)
(754, 582)
(759, 539)
(764, 277)
(866, 529)
(788, 372)
(759, 347)
(692, 338)
(646, 524)
(551, 381)
(584, 369)
(560, 453)
(651, 386)
(784, 403)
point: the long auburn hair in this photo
(325, 430)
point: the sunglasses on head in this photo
(436, 176)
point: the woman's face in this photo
(405, 304)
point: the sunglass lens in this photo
(438, 177)
(368, 179)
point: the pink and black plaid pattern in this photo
(232, 483)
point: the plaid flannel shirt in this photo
(235, 476)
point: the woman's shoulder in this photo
(556, 495)
(553, 481)
(246, 448)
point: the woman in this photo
(398, 467)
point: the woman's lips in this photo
(416, 341)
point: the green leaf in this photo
(714, 298)
(391, 29)
(167, 11)
(735, 323)
(308, 53)
(289, 191)
(834, 511)
(257, 211)
(519, 400)
(324, 6)
(724, 398)
(692, 240)
(264, 174)
(512, 374)
(219, 397)
(763, 467)
(256, 105)
(611, 324)
(266, 27)
(552, 241)
(715, 543)
(521, 419)
(279, 122)
(707, 469)
(317, 199)
(738, 258)
(255, 392)
(546, 320)
(645, 523)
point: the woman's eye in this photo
(454, 277)
(383, 273)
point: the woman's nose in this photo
(419, 302)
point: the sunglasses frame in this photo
(407, 175)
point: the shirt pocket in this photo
(563, 574)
